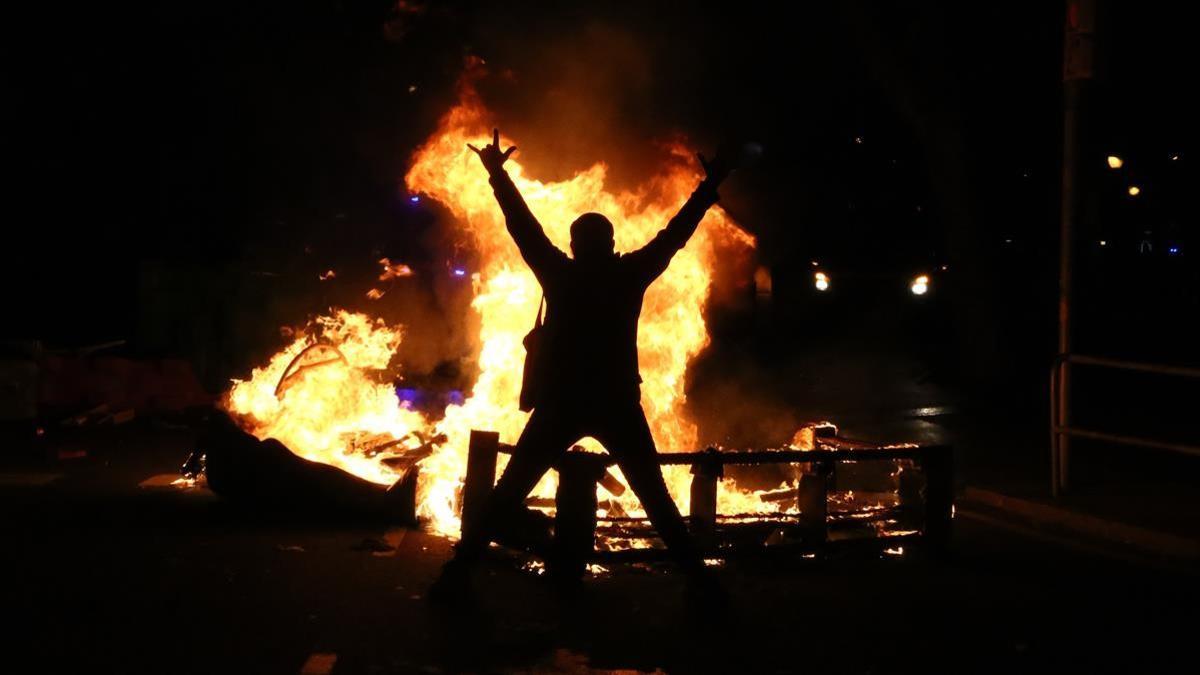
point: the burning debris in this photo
(267, 473)
(393, 270)
(323, 398)
(325, 413)
(326, 409)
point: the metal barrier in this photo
(1061, 430)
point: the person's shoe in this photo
(453, 585)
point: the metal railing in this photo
(1061, 430)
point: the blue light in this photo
(414, 199)
(460, 272)
(1174, 250)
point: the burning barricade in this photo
(322, 419)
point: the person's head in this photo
(592, 237)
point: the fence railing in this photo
(1061, 430)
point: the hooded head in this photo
(592, 237)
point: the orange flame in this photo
(671, 330)
(328, 407)
(319, 422)
(393, 270)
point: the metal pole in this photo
(1078, 53)
(1055, 424)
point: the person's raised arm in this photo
(652, 259)
(526, 231)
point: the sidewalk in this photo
(1127, 501)
(1130, 503)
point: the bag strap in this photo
(541, 311)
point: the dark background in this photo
(179, 174)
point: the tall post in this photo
(1078, 71)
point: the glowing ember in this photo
(393, 271)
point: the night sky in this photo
(272, 137)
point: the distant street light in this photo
(1134, 190)
(821, 281)
(1115, 162)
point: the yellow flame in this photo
(671, 330)
(327, 411)
(332, 411)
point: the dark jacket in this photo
(592, 307)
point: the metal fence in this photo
(1062, 431)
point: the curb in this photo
(1073, 527)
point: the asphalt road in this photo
(104, 574)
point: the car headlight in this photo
(821, 281)
(920, 285)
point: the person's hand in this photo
(717, 169)
(493, 160)
(729, 158)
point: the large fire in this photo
(333, 411)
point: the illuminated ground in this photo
(102, 575)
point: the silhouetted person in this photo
(591, 385)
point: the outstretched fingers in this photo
(490, 153)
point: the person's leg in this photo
(547, 434)
(624, 433)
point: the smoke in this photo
(587, 94)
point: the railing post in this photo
(812, 500)
(911, 492)
(1054, 429)
(575, 512)
(1064, 422)
(480, 478)
(938, 464)
(703, 510)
